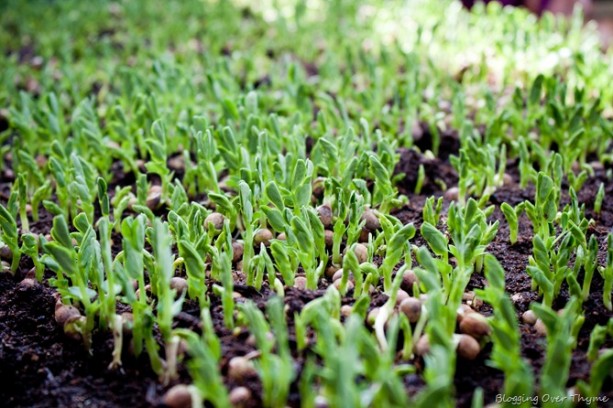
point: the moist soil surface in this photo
(41, 367)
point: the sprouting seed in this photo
(346, 310)
(463, 310)
(240, 397)
(262, 236)
(237, 251)
(154, 197)
(468, 348)
(401, 295)
(325, 215)
(372, 223)
(452, 194)
(529, 317)
(408, 280)
(348, 286)
(372, 316)
(411, 307)
(178, 396)
(65, 312)
(422, 347)
(331, 271)
(329, 238)
(215, 220)
(475, 325)
(179, 284)
(300, 283)
(361, 252)
(240, 368)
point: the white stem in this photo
(379, 326)
(116, 326)
(172, 348)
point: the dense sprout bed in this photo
(303, 203)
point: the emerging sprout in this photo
(73, 327)
(215, 220)
(128, 322)
(411, 307)
(29, 281)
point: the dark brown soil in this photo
(40, 367)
